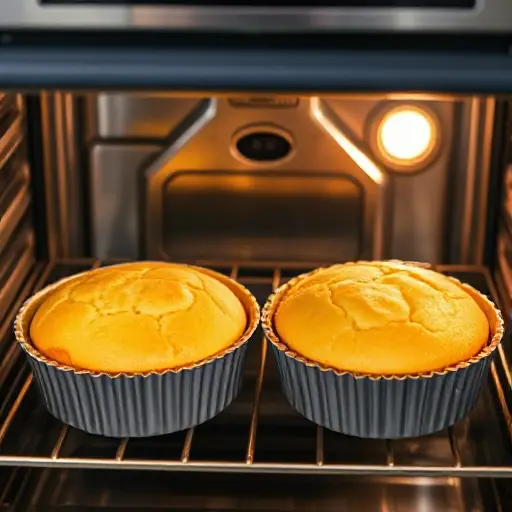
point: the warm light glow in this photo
(406, 136)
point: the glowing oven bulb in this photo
(406, 136)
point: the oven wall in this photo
(17, 239)
(503, 271)
(164, 178)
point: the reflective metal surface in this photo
(505, 259)
(202, 144)
(263, 221)
(71, 489)
(16, 235)
(115, 184)
(487, 16)
(16, 261)
(154, 116)
(63, 174)
(14, 191)
(475, 154)
(205, 202)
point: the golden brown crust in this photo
(381, 318)
(138, 317)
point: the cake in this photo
(139, 349)
(138, 317)
(381, 318)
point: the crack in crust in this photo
(411, 311)
(163, 297)
(445, 323)
(98, 302)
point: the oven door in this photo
(262, 16)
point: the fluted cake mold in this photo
(138, 404)
(383, 406)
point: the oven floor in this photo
(79, 490)
(283, 437)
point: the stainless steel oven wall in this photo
(16, 230)
(503, 271)
(167, 179)
(64, 173)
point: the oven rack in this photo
(477, 447)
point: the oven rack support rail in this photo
(501, 380)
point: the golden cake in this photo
(138, 317)
(384, 318)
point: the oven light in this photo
(407, 137)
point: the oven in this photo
(262, 140)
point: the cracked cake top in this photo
(385, 318)
(138, 317)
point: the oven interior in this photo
(261, 187)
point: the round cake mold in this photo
(382, 406)
(138, 404)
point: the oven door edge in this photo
(215, 69)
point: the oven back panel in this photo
(265, 179)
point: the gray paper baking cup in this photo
(138, 405)
(382, 406)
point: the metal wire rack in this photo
(29, 437)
